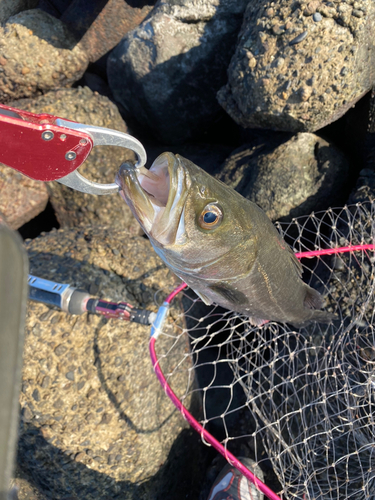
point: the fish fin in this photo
(203, 297)
(229, 293)
(323, 317)
(296, 262)
(257, 322)
(318, 317)
(313, 299)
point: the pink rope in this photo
(176, 291)
(206, 436)
(330, 251)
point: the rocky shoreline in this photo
(274, 98)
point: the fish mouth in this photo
(157, 197)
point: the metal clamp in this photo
(100, 137)
(48, 148)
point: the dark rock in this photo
(45, 382)
(38, 54)
(288, 179)
(101, 27)
(9, 8)
(72, 207)
(207, 156)
(70, 375)
(338, 52)
(167, 71)
(365, 187)
(46, 316)
(27, 414)
(22, 198)
(36, 395)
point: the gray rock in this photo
(37, 54)
(207, 156)
(72, 207)
(21, 198)
(110, 437)
(288, 179)
(294, 74)
(167, 71)
(9, 8)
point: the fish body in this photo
(220, 244)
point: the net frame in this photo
(338, 242)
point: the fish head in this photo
(191, 218)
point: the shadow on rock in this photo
(62, 477)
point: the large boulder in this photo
(100, 27)
(167, 71)
(72, 207)
(21, 198)
(38, 53)
(301, 65)
(96, 423)
(288, 178)
(9, 8)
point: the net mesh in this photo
(302, 401)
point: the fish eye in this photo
(211, 216)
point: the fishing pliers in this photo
(48, 148)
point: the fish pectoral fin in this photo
(313, 299)
(203, 297)
(257, 321)
(229, 293)
(296, 262)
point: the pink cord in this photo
(176, 291)
(330, 251)
(206, 436)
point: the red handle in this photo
(35, 146)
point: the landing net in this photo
(300, 402)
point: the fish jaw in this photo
(157, 202)
(135, 197)
(169, 228)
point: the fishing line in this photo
(309, 393)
